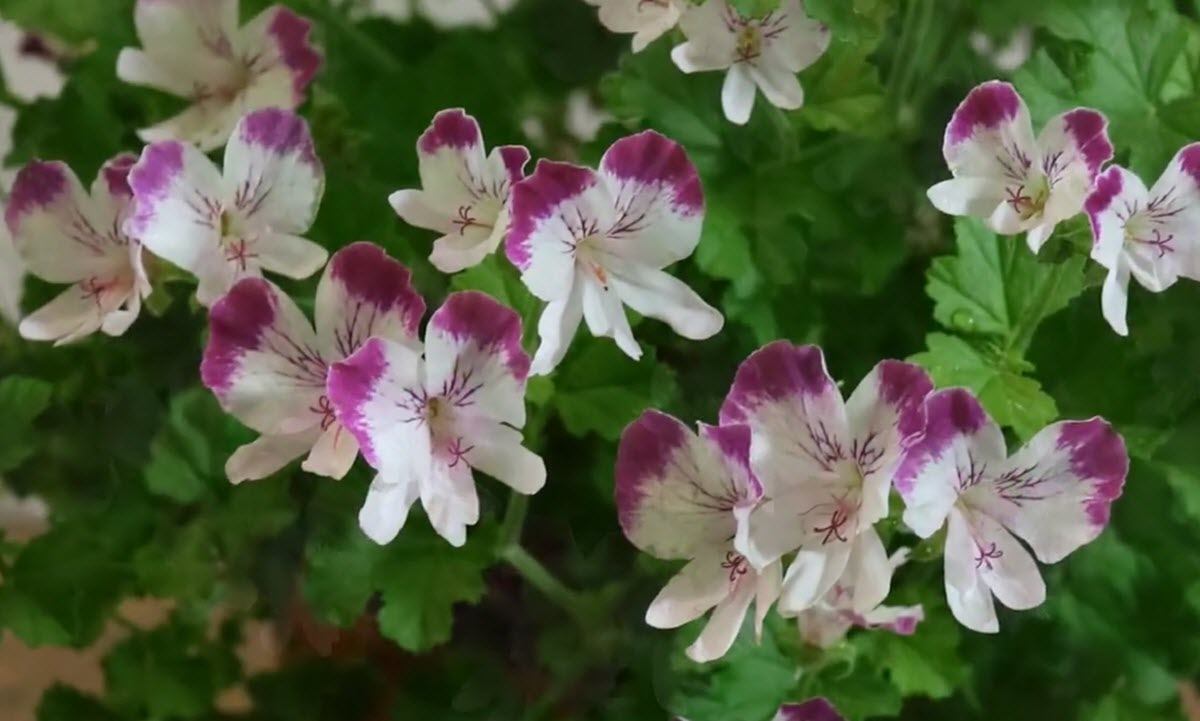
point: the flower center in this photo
(749, 43)
(1029, 198)
(588, 255)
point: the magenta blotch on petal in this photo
(39, 183)
(372, 276)
(1089, 129)
(646, 448)
(987, 106)
(151, 179)
(773, 372)
(905, 386)
(279, 131)
(1189, 161)
(817, 709)
(1098, 455)
(515, 158)
(350, 385)
(1106, 188)
(450, 129)
(237, 324)
(536, 197)
(733, 441)
(291, 35)
(948, 414)
(116, 174)
(652, 158)
(476, 317)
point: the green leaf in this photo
(924, 664)
(600, 390)
(29, 621)
(1012, 399)
(748, 684)
(22, 400)
(995, 286)
(340, 577)
(421, 578)
(187, 455)
(63, 703)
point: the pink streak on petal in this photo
(1089, 129)
(1106, 188)
(279, 131)
(291, 34)
(537, 197)
(450, 129)
(116, 174)
(654, 159)
(371, 275)
(775, 371)
(476, 317)
(515, 158)
(905, 387)
(1099, 458)
(151, 179)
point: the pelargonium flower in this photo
(268, 367)
(1003, 175)
(647, 20)
(195, 49)
(814, 709)
(1148, 234)
(826, 466)
(827, 623)
(425, 423)
(1055, 493)
(464, 191)
(680, 496)
(225, 227)
(65, 234)
(590, 242)
(764, 52)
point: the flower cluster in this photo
(759, 54)
(1018, 183)
(793, 468)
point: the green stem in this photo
(514, 520)
(536, 575)
(1028, 324)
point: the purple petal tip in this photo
(278, 131)
(775, 371)
(450, 129)
(653, 158)
(536, 197)
(986, 106)
(817, 709)
(478, 318)
(350, 384)
(291, 35)
(646, 447)
(38, 184)
(371, 275)
(1098, 455)
(237, 323)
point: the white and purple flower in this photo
(646, 20)
(1152, 235)
(268, 367)
(814, 709)
(196, 50)
(828, 622)
(680, 496)
(1006, 177)
(66, 234)
(592, 242)
(1055, 493)
(826, 467)
(464, 191)
(426, 423)
(761, 53)
(224, 227)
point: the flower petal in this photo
(779, 86)
(556, 328)
(605, 315)
(73, 314)
(279, 39)
(811, 575)
(723, 626)
(377, 396)
(365, 293)
(1073, 146)
(333, 454)
(263, 361)
(177, 209)
(206, 124)
(960, 443)
(552, 211)
(802, 40)
(646, 19)
(712, 42)
(1114, 297)
(496, 450)
(450, 500)
(868, 573)
(192, 43)
(1116, 193)
(997, 560)
(700, 585)
(473, 357)
(885, 414)
(267, 455)
(675, 493)
(660, 204)
(795, 411)
(737, 94)
(386, 508)
(1056, 491)
(817, 709)
(968, 594)
(276, 178)
(60, 234)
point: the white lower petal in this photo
(811, 575)
(290, 255)
(499, 454)
(385, 509)
(266, 455)
(780, 87)
(605, 316)
(450, 500)
(1114, 297)
(556, 328)
(976, 197)
(699, 586)
(723, 626)
(737, 95)
(333, 454)
(968, 595)
(1038, 235)
(868, 571)
(660, 295)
